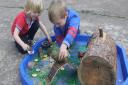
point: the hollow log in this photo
(98, 65)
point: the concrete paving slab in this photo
(111, 14)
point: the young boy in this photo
(66, 25)
(27, 23)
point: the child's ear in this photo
(66, 14)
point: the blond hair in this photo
(57, 10)
(34, 6)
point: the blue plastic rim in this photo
(122, 63)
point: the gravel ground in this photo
(112, 15)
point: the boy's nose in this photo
(36, 15)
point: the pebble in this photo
(34, 75)
(37, 69)
(36, 60)
(31, 64)
(62, 68)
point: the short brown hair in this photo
(56, 10)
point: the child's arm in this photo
(72, 32)
(43, 28)
(18, 40)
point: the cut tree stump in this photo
(98, 66)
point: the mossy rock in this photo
(53, 51)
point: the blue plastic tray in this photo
(122, 63)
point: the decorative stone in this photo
(37, 69)
(31, 64)
(45, 56)
(62, 68)
(36, 60)
(34, 75)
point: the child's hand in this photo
(63, 51)
(49, 39)
(25, 47)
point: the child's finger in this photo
(67, 54)
(64, 55)
(61, 55)
(49, 40)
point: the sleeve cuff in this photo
(68, 45)
(18, 27)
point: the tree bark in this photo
(98, 66)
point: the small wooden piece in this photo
(40, 52)
(54, 70)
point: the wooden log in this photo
(54, 70)
(98, 66)
(53, 51)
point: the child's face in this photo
(34, 15)
(61, 22)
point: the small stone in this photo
(37, 69)
(45, 59)
(36, 60)
(31, 52)
(34, 75)
(45, 56)
(62, 68)
(31, 64)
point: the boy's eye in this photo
(36, 13)
(58, 23)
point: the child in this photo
(66, 25)
(27, 23)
